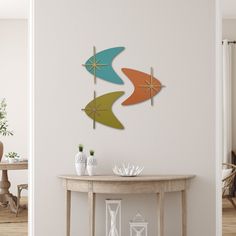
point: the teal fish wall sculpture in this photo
(100, 65)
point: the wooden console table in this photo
(6, 198)
(158, 184)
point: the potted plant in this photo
(80, 161)
(12, 157)
(4, 131)
(91, 163)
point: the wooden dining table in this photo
(7, 198)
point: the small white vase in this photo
(80, 163)
(80, 168)
(91, 165)
(11, 160)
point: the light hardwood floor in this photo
(229, 224)
(14, 229)
(229, 219)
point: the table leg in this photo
(68, 211)
(4, 183)
(184, 212)
(6, 198)
(4, 188)
(91, 199)
(160, 198)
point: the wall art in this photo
(113, 217)
(146, 86)
(100, 110)
(100, 65)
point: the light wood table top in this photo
(114, 178)
(14, 166)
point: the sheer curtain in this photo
(227, 101)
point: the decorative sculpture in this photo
(113, 217)
(100, 110)
(127, 170)
(146, 86)
(100, 65)
(138, 226)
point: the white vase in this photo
(91, 165)
(11, 160)
(80, 163)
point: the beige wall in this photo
(13, 87)
(175, 136)
(229, 32)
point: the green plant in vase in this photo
(81, 147)
(80, 161)
(12, 157)
(91, 163)
(4, 130)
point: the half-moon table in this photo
(157, 184)
(5, 196)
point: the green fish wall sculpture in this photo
(100, 110)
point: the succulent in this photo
(81, 147)
(91, 152)
(12, 155)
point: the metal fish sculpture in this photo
(100, 110)
(100, 65)
(146, 86)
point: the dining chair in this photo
(20, 187)
(228, 176)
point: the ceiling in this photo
(14, 9)
(229, 8)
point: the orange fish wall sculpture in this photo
(145, 86)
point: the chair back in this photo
(228, 181)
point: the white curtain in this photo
(227, 101)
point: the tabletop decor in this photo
(127, 170)
(80, 161)
(12, 157)
(4, 131)
(91, 164)
(138, 226)
(113, 217)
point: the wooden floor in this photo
(229, 219)
(13, 229)
(229, 224)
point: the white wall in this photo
(229, 32)
(13, 87)
(229, 9)
(175, 136)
